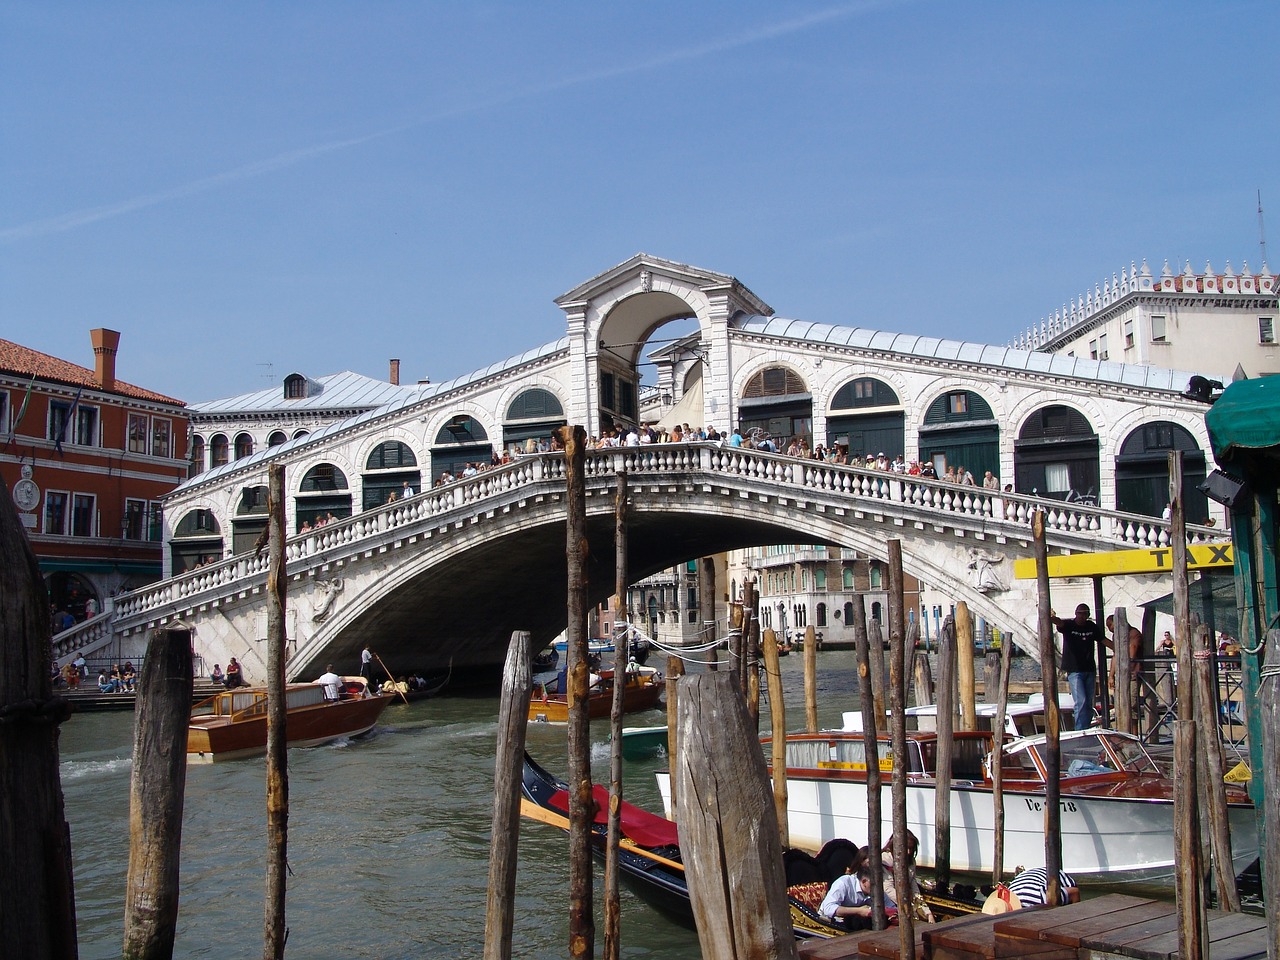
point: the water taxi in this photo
(643, 690)
(233, 723)
(1116, 805)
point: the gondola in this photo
(650, 863)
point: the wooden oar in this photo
(391, 678)
(536, 812)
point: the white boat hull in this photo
(1104, 839)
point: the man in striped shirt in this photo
(1032, 887)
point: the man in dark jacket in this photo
(1080, 637)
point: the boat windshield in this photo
(1104, 753)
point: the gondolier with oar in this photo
(366, 669)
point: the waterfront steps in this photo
(1101, 928)
(89, 698)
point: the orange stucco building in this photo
(86, 458)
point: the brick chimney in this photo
(395, 373)
(105, 344)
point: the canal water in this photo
(388, 836)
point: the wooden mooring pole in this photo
(946, 725)
(621, 658)
(1049, 689)
(37, 898)
(871, 745)
(157, 788)
(965, 679)
(1123, 693)
(675, 670)
(728, 829)
(778, 732)
(1189, 875)
(810, 679)
(752, 663)
(508, 770)
(997, 758)
(582, 927)
(275, 933)
(1215, 791)
(898, 708)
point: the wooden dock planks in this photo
(1112, 926)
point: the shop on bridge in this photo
(388, 468)
(959, 430)
(776, 403)
(196, 540)
(250, 519)
(531, 420)
(1056, 456)
(866, 419)
(461, 441)
(1142, 471)
(324, 493)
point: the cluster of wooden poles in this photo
(732, 836)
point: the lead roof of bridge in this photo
(980, 354)
(408, 399)
(341, 391)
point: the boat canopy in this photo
(1246, 417)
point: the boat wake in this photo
(72, 771)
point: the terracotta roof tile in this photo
(24, 362)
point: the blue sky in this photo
(249, 189)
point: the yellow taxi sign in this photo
(1201, 556)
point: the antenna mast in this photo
(1262, 233)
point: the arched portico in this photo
(614, 314)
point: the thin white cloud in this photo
(88, 215)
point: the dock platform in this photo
(88, 698)
(1113, 926)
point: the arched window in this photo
(776, 403)
(1142, 471)
(822, 615)
(531, 419)
(197, 455)
(321, 495)
(875, 611)
(197, 540)
(250, 519)
(820, 578)
(218, 450)
(774, 382)
(535, 402)
(1056, 455)
(864, 392)
(877, 578)
(461, 443)
(848, 613)
(390, 466)
(391, 455)
(959, 430)
(295, 386)
(277, 437)
(244, 446)
(297, 434)
(846, 578)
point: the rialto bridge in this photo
(448, 572)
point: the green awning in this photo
(1245, 417)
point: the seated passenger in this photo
(216, 676)
(331, 682)
(849, 900)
